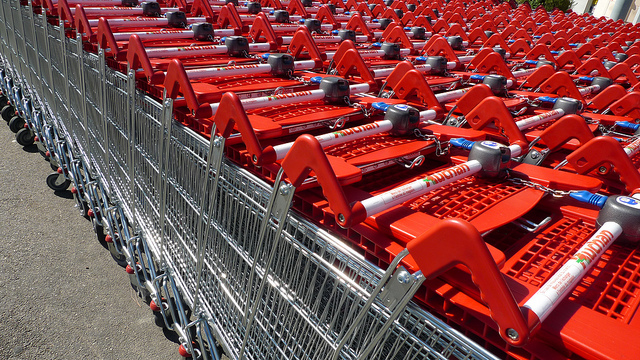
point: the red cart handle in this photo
(520, 45)
(229, 16)
(561, 84)
(496, 40)
(593, 64)
(106, 40)
(307, 155)
(628, 105)
(262, 27)
(456, 30)
(454, 241)
(324, 15)
(585, 49)
(473, 97)
(302, 40)
(349, 62)
(477, 34)
(438, 46)
(82, 23)
(65, 12)
(177, 81)
(493, 110)
(494, 62)
(357, 23)
(296, 7)
(564, 129)
(608, 96)
(568, 57)
(396, 34)
(137, 58)
(202, 8)
(540, 50)
(623, 69)
(406, 82)
(231, 114)
(605, 150)
(424, 22)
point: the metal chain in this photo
(454, 84)
(605, 130)
(548, 190)
(517, 67)
(590, 121)
(440, 150)
(363, 109)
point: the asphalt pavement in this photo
(61, 294)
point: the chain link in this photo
(548, 190)
(363, 109)
(440, 150)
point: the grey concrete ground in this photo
(61, 294)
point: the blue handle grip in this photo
(586, 78)
(589, 198)
(627, 125)
(548, 99)
(531, 62)
(316, 79)
(476, 77)
(462, 143)
(380, 106)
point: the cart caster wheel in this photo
(24, 137)
(7, 112)
(138, 279)
(120, 259)
(84, 210)
(57, 182)
(3, 99)
(158, 319)
(99, 230)
(16, 123)
(45, 154)
(80, 204)
(182, 350)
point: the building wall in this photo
(604, 8)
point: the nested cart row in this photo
(215, 249)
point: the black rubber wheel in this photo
(99, 229)
(120, 259)
(3, 100)
(57, 182)
(81, 205)
(16, 123)
(159, 320)
(7, 112)
(24, 137)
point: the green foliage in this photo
(549, 5)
